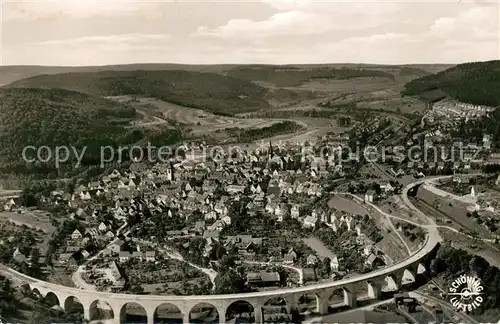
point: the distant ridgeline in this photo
(475, 83)
(208, 91)
(294, 76)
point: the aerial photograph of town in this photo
(262, 161)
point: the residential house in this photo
(244, 243)
(334, 263)
(117, 246)
(212, 214)
(312, 259)
(234, 189)
(310, 222)
(290, 257)
(387, 187)
(221, 209)
(295, 211)
(368, 249)
(76, 235)
(102, 227)
(349, 221)
(19, 257)
(226, 220)
(85, 254)
(263, 278)
(124, 256)
(374, 260)
(308, 274)
(65, 258)
(9, 205)
(370, 196)
(271, 207)
(72, 249)
(150, 256)
(461, 179)
(137, 255)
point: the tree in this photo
(34, 264)
(478, 265)
(227, 261)
(220, 253)
(9, 304)
(324, 269)
(229, 282)
(136, 289)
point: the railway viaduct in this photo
(391, 276)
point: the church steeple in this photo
(270, 154)
(172, 174)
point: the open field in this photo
(347, 205)
(204, 122)
(9, 193)
(35, 220)
(321, 249)
(450, 211)
(9, 230)
(367, 92)
(354, 85)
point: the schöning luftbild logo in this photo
(466, 293)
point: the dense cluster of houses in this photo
(458, 110)
(278, 184)
(433, 151)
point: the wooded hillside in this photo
(476, 83)
(208, 91)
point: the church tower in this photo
(171, 172)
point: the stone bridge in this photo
(289, 298)
(391, 276)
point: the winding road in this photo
(383, 213)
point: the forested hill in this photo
(476, 83)
(207, 91)
(42, 117)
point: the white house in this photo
(295, 212)
(334, 263)
(85, 195)
(368, 249)
(102, 227)
(388, 188)
(349, 221)
(312, 259)
(9, 205)
(76, 235)
(227, 220)
(369, 196)
(150, 256)
(310, 222)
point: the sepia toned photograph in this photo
(249, 161)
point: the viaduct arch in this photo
(414, 264)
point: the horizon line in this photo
(227, 64)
